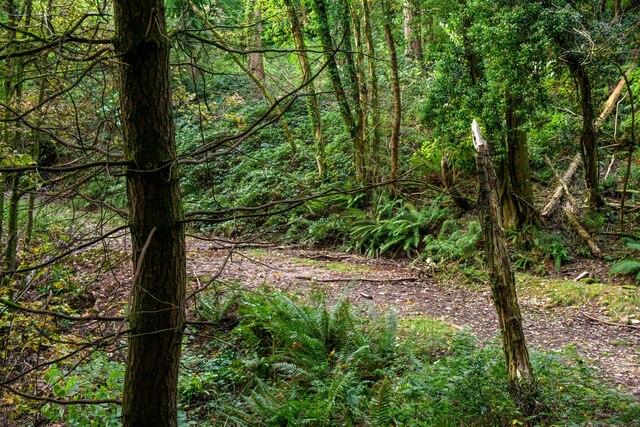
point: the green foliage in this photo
(101, 378)
(452, 242)
(552, 246)
(630, 266)
(307, 362)
(396, 228)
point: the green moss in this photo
(619, 302)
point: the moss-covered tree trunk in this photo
(522, 382)
(397, 104)
(588, 142)
(314, 109)
(334, 74)
(156, 314)
(518, 165)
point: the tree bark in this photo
(316, 119)
(397, 103)
(522, 384)
(359, 146)
(518, 165)
(334, 74)
(157, 312)
(255, 58)
(413, 30)
(588, 142)
(375, 144)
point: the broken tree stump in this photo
(522, 384)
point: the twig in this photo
(358, 279)
(61, 401)
(620, 325)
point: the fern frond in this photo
(628, 266)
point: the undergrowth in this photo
(289, 361)
(294, 361)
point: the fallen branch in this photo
(569, 213)
(358, 279)
(605, 322)
(575, 163)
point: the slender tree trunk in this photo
(518, 165)
(522, 384)
(334, 74)
(12, 226)
(359, 146)
(240, 63)
(471, 57)
(413, 29)
(316, 118)
(157, 310)
(588, 142)
(11, 12)
(256, 58)
(362, 89)
(397, 104)
(376, 139)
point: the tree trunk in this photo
(12, 226)
(449, 184)
(397, 105)
(588, 143)
(334, 74)
(413, 30)
(518, 165)
(245, 69)
(359, 146)
(375, 144)
(255, 58)
(522, 384)
(316, 119)
(157, 312)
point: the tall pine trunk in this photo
(157, 312)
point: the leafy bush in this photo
(101, 378)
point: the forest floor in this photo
(413, 290)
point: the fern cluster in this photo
(313, 365)
(453, 242)
(629, 266)
(396, 228)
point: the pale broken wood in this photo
(569, 212)
(553, 202)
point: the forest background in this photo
(342, 124)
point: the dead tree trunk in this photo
(522, 384)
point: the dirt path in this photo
(384, 283)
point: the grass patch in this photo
(619, 302)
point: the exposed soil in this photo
(615, 350)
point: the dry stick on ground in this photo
(575, 163)
(605, 322)
(569, 212)
(359, 279)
